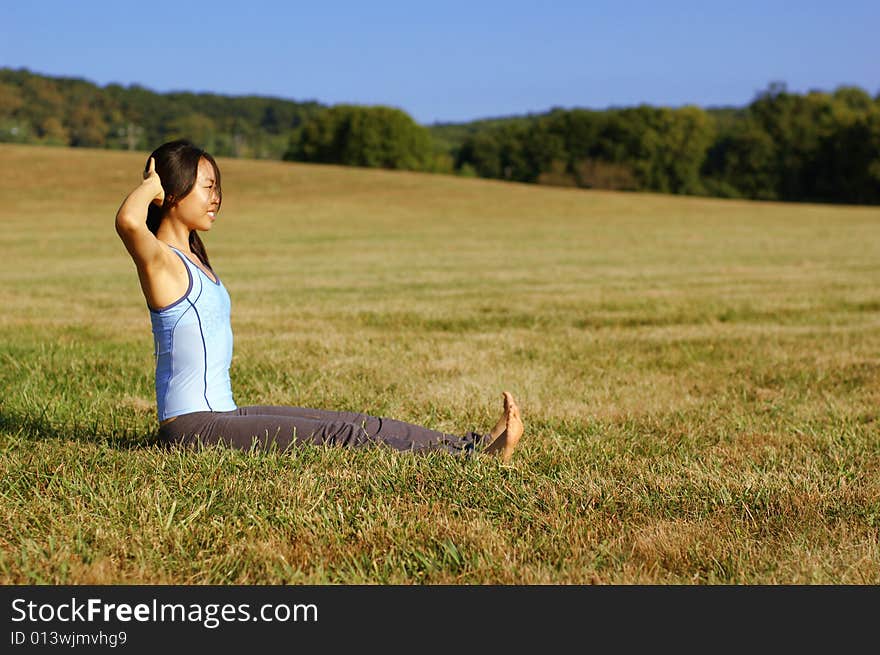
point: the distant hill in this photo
(818, 147)
(75, 112)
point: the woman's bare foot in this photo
(506, 442)
(501, 425)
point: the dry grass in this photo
(700, 380)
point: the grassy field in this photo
(700, 382)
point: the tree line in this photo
(73, 112)
(818, 146)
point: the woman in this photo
(189, 308)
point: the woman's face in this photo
(197, 210)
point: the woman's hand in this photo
(151, 178)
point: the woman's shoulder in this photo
(169, 284)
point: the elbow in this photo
(125, 223)
(122, 228)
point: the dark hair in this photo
(177, 165)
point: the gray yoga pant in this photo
(263, 426)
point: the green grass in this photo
(700, 381)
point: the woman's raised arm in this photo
(131, 221)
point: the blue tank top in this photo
(193, 341)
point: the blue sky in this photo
(451, 60)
